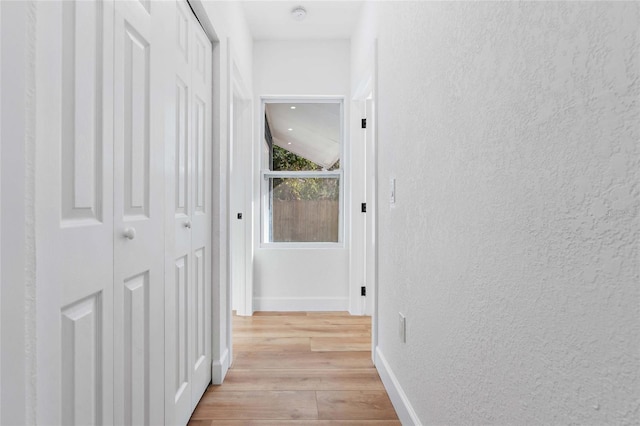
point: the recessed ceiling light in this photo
(290, 129)
(288, 143)
(299, 13)
(293, 107)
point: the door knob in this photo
(187, 224)
(129, 233)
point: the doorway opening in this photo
(281, 310)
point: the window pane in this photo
(304, 209)
(303, 136)
(285, 160)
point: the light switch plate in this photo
(392, 191)
(402, 327)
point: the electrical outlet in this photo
(402, 327)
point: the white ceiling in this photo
(315, 130)
(272, 20)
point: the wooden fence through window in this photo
(305, 220)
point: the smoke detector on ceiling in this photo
(299, 13)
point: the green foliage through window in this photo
(306, 188)
(301, 188)
(285, 160)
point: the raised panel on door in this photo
(199, 155)
(182, 166)
(146, 4)
(136, 349)
(182, 31)
(179, 383)
(181, 327)
(141, 89)
(74, 211)
(82, 362)
(181, 150)
(201, 54)
(201, 339)
(82, 140)
(136, 125)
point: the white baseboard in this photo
(219, 368)
(399, 399)
(288, 304)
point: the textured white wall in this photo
(305, 67)
(512, 130)
(299, 279)
(17, 334)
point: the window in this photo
(302, 175)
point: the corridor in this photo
(483, 163)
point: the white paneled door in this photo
(188, 322)
(140, 60)
(74, 212)
(105, 92)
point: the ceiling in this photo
(310, 130)
(272, 20)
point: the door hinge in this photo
(363, 291)
(364, 123)
(363, 207)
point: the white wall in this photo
(17, 322)
(299, 279)
(512, 131)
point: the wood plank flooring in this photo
(299, 368)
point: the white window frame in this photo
(265, 175)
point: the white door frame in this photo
(366, 93)
(240, 131)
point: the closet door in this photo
(201, 161)
(189, 293)
(141, 55)
(74, 208)
(179, 291)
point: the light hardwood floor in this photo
(299, 368)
